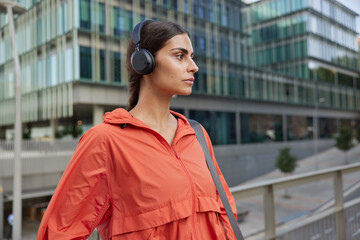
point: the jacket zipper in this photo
(162, 139)
(189, 179)
(192, 191)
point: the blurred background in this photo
(273, 74)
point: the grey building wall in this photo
(242, 163)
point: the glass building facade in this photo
(313, 40)
(289, 52)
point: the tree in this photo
(286, 163)
(344, 141)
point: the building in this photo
(268, 71)
(358, 39)
(313, 41)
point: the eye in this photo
(180, 56)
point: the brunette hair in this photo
(154, 36)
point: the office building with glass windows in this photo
(358, 39)
(314, 42)
(267, 71)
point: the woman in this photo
(142, 174)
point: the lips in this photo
(189, 81)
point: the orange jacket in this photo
(128, 182)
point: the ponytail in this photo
(134, 89)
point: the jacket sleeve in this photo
(223, 216)
(81, 200)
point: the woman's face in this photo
(175, 67)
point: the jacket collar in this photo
(121, 116)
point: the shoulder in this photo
(98, 131)
(95, 136)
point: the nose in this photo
(192, 66)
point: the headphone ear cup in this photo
(142, 61)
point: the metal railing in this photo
(30, 147)
(38, 157)
(332, 221)
(324, 225)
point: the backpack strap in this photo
(200, 136)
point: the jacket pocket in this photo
(147, 219)
(144, 234)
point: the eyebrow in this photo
(183, 50)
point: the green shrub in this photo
(344, 140)
(285, 161)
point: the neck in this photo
(152, 108)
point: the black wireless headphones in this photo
(142, 61)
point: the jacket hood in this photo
(122, 116)
(118, 116)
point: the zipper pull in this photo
(176, 155)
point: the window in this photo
(53, 69)
(325, 75)
(49, 71)
(102, 65)
(186, 6)
(326, 8)
(201, 12)
(85, 14)
(219, 9)
(345, 123)
(261, 128)
(85, 63)
(175, 4)
(212, 45)
(299, 127)
(300, 49)
(39, 74)
(231, 85)
(202, 43)
(62, 18)
(345, 80)
(225, 49)
(122, 21)
(195, 8)
(101, 15)
(68, 65)
(116, 67)
(221, 126)
(287, 52)
(211, 14)
(39, 31)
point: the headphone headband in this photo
(137, 31)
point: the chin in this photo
(184, 93)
